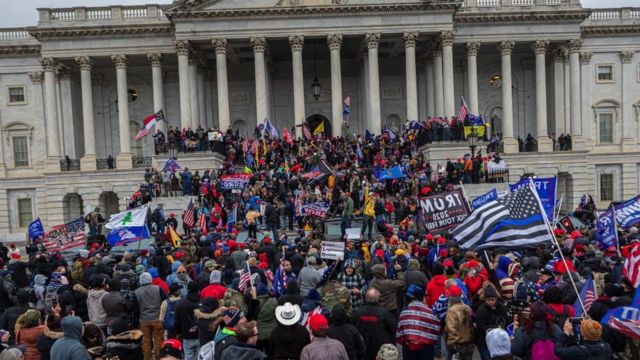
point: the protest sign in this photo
(332, 250)
(352, 233)
(318, 209)
(442, 211)
(65, 236)
(546, 189)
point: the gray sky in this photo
(23, 13)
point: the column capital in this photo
(626, 56)
(560, 54)
(155, 58)
(36, 77)
(473, 48)
(334, 41)
(48, 64)
(574, 45)
(585, 57)
(220, 46)
(540, 47)
(63, 71)
(372, 40)
(182, 47)
(259, 43)
(296, 42)
(446, 37)
(84, 62)
(506, 47)
(409, 38)
(119, 60)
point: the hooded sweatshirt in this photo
(386, 287)
(70, 347)
(346, 333)
(183, 280)
(97, 315)
(40, 288)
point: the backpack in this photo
(591, 355)
(560, 318)
(543, 349)
(207, 351)
(169, 321)
(524, 294)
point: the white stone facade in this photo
(89, 75)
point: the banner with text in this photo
(235, 181)
(318, 209)
(628, 213)
(65, 236)
(484, 198)
(546, 188)
(442, 211)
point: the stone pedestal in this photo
(88, 163)
(544, 144)
(628, 144)
(124, 161)
(510, 145)
(3, 171)
(52, 165)
(578, 143)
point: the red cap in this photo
(448, 263)
(441, 240)
(174, 343)
(454, 291)
(263, 265)
(267, 241)
(472, 264)
(171, 215)
(394, 241)
(379, 253)
(179, 255)
(318, 322)
(580, 247)
(232, 244)
(443, 253)
(242, 245)
(429, 237)
(575, 234)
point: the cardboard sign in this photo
(442, 211)
(332, 250)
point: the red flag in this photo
(188, 216)
(631, 268)
(286, 136)
(202, 223)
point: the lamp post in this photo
(473, 141)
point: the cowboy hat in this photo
(288, 314)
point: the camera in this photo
(576, 320)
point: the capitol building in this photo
(79, 83)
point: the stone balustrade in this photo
(112, 13)
(517, 3)
(14, 34)
(614, 14)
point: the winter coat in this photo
(266, 317)
(70, 346)
(46, 341)
(287, 342)
(324, 348)
(28, 337)
(387, 288)
(115, 306)
(525, 337)
(97, 314)
(203, 321)
(126, 345)
(308, 278)
(149, 298)
(459, 324)
(240, 351)
(570, 350)
(185, 321)
(376, 325)
(347, 334)
(39, 290)
(488, 318)
(435, 288)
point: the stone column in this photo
(88, 161)
(446, 37)
(409, 39)
(542, 135)
(259, 45)
(201, 98)
(374, 123)
(587, 79)
(335, 43)
(510, 143)
(158, 89)
(628, 77)
(437, 75)
(559, 58)
(576, 116)
(125, 158)
(472, 76)
(182, 49)
(428, 74)
(51, 115)
(224, 119)
(296, 43)
(193, 92)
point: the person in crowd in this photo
(341, 330)
(539, 332)
(490, 315)
(28, 330)
(591, 346)
(375, 323)
(459, 325)
(149, 298)
(51, 333)
(499, 344)
(245, 346)
(171, 350)
(288, 338)
(322, 347)
(185, 322)
(70, 346)
(418, 328)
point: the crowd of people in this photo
(397, 291)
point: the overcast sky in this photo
(23, 13)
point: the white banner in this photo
(332, 250)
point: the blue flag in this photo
(390, 133)
(395, 172)
(35, 229)
(346, 111)
(171, 166)
(484, 198)
(368, 136)
(231, 219)
(546, 189)
(127, 235)
(606, 229)
(475, 120)
(628, 213)
(587, 295)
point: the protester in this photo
(70, 347)
(245, 346)
(322, 347)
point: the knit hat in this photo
(12, 353)
(415, 291)
(539, 310)
(210, 263)
(232, 316)
(154, 273)
(590, 329)
(498, 342)
(387, 352)
(215, 277)
(145, 278)
(490, 292)
(318, 322)
(171, 347)
(314, 295)
(139, 268)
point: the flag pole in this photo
(615, 229)
(555, 242)
(464, 193)
(557, 213)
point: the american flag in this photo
(347, 100)
(254, 146)
(142, 133)
(306, 132)
(63, 237)
(464, 111)
(202, 223)
(631, 268)
(188, 217)
(269, 274)
(245, 145)
(245, 278)
(587, 295)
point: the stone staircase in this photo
(196, 161)
(175, 205)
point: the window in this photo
(16, 95)
(606, 187)
(605, 73)
(20, 151)
(605, 126)
(25, 213)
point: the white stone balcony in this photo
(516, 3)
(84, 16)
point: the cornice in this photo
(518, 17)
(20, 50)
(178, 15)
(99, 31)
(610, 29)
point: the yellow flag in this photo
(319, 129)
(286, 166)
(479, 130)
(173, 237)
(264, 147)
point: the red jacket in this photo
(435, 288)
(163, 285)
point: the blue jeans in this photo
(345, 224)
(367, 221)
(274, 229)
(484, 354)
(191, 348)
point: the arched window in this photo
(240, 124)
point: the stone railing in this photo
(511, 3)
(112, 13)
(14, 34)
(614, 14)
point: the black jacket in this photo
(488, 318)
(347, 334)
(376, 325)
(569, 349)
(287, 341)
(185, 318)
(115, 306)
